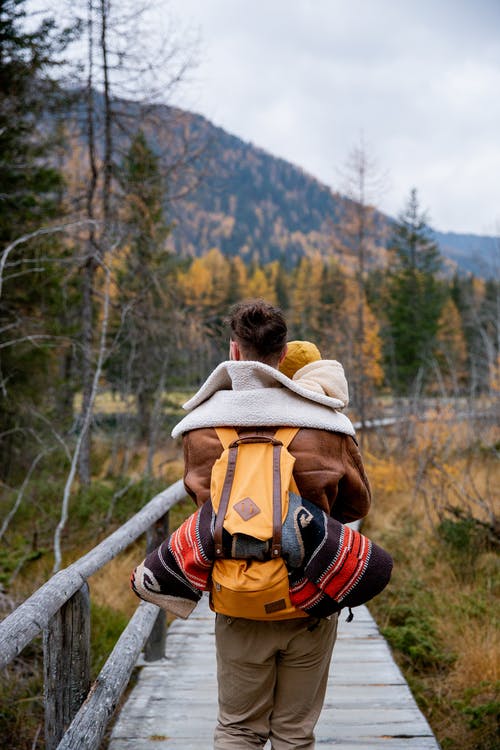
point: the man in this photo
(272, 675)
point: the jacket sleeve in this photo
(354, 494)
(201, 449)
(329, 472)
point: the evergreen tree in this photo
(330, 337)
(30, 185)
(306, 297)
(282, 285)
(31, 291)
(238, 279)
(144, 326)
(415, 298)
(489, 317)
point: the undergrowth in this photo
(440, 613)
(433, 496)
(26, 561)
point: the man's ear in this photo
(283, 354)
(234, 351)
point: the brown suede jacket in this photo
(328, 469)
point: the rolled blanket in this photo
(343, 568)
(176, 573)
(330, 565)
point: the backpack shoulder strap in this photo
(226, 435)
(286, 435)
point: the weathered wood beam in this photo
(66, 647)
(34, 615)
(89, 725)
(155, 645)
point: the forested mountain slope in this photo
(223, 192)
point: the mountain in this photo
(472, 253)
(252, 204)
(233, 195)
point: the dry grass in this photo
(477, 645)
(94, 514)
(433, 489)
(108, 402)
(444, 593)
(110, 586)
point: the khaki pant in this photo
(272, 680)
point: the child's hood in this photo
(324, 376)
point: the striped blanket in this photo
(330, 565)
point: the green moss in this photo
(416, 640)
(481, 708)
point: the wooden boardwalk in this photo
(368, 704)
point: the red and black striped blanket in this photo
(330, 565)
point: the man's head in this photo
(258, 332)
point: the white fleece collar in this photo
(254, 394)
(248, 375)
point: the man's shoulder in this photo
(321, 438)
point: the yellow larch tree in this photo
(451, 350)
(205, 284)
(194, 284)
(260, 286)
(369, 349)
(306, 297)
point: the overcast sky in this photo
(418, 80)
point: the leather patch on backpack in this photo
(275, 606)
(246, 508)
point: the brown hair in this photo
(259, 329)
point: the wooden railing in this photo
(76, 712)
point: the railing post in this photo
(155, 645)
(66, 651)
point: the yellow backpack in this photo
(249, 490)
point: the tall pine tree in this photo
(144, 325)
(415, 298)
(30, 288)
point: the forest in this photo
(107, 326)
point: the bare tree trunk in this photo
(84, 464)
(360, 230)
(155, 420)
(87, 418)
(108, 143)
(361, 395)
(90, 265)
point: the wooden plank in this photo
(66, 648)
(368, 703)
(160, 742)
(176, 699)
